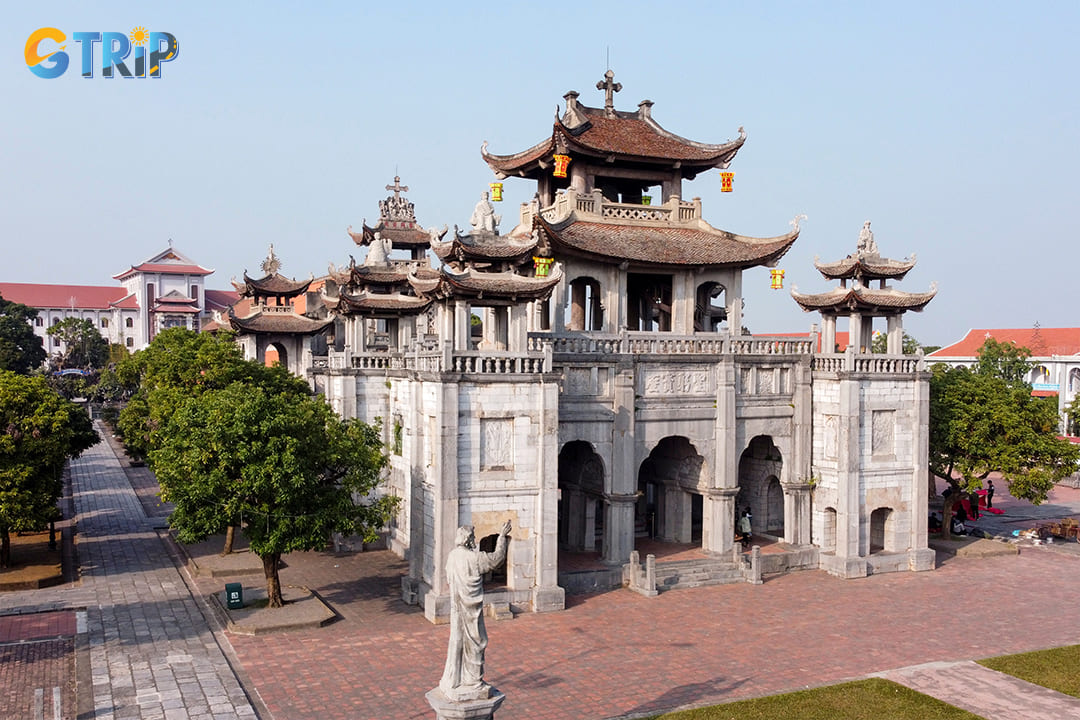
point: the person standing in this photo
(989, 494)
(744, 528)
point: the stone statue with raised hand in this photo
(463, 677)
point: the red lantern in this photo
(496, 192)
(542, 265)
(777, 277)
(561, 161)
(727, 179)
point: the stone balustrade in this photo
(674, 210)
(868, 363)
(651, 343)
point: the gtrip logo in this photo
(46, 58)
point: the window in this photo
(104, 322)
(38, 322)
(55, 321)
(130, 342)
(130, 322)
(56, 342)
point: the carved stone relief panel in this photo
(579, 381)
(765, 381)
(744, 380)
(676, 381)
(496, 444)
(832, 436)
(883, 440)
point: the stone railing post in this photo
(755, 565)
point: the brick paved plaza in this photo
(148, 651)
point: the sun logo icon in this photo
(138, 35)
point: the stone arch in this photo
(275, 353)
(882, 531)
(1039, 374)
(710, 309)
(759, 466)
(671, 483)
(581, 503)
(586, 308)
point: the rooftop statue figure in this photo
(866, 245)
(484, 217)
(379, 252)
(463, 678)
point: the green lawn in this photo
(860, 700)
(1055, 669)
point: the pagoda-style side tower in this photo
(271, 317)
(871, 421)
(862, 302)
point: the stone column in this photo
(618, 528)
(718, 517)
(517, 339)
(462, 326)
(796, 512)
(848, 506)
(444, 474)
(547, 595)
(922, 557)
(574, 503)
(828, 333)
(622, 485)
(895, 338)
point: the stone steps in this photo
(683, 574)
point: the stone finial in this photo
(271, 264)
(645, 109)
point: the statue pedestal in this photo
(447, 709)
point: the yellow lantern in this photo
(561, 161)
(777, 277)
(542, 265)
(727, 179)
(496, 192)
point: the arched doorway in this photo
(275, 354)
(881, 531)
(670, 485)
(581, 501)
(710, 312)
(759, 486)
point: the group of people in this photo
(960, 516)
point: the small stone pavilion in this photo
(585, 375)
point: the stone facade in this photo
(616, 400)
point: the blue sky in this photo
(953, 127)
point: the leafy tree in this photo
(41, 430)
(84, 347)
(980, 423)
(1004, 360)
(285, 464)
(181, 363)
(20, 349)
(880, 342)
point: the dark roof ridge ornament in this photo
(610, 87)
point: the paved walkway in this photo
(151, 653)
(148, 652)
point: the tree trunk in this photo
(946, 515)
(230, 535)
(5, 548)
(273, 584)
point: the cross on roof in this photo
(397, 187)
(610, 87)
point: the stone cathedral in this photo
(586, 376)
